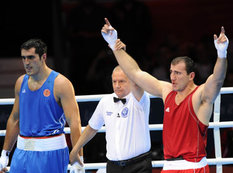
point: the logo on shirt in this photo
(108, 113)
(124, 112)
(167, 110)
(46, 92)
(24, 91)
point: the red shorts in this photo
(198, 170)
(184, 166)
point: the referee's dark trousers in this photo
(139, 164)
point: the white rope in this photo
(216, 131)
(152, 127)
(157, 163)
(97, 97)
(160, 163)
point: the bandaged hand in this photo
(109, 34)
(4, 159)
(221, 44)
(76, 167)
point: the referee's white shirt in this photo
(127, 125)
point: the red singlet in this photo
(183, 134)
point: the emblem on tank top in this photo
(124, 112)
(108, 113)
(168, 109)
(46, 92)
(24, 91)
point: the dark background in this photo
(155, 31)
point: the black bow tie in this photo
(115, 99)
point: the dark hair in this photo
(188, 62)
(38, 44)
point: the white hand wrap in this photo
(77, 168)
(110, 38)
(4, 159)
(221, 48)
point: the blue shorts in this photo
(55, 161)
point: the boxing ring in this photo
(216, 125)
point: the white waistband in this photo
(184, 164)
(42, 144)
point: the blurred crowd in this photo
(91, 61)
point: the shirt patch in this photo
(168, 109)
(46, 92)
(108, 113)
(124, 112)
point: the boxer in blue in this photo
(44, 102)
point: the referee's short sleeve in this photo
(97, 119)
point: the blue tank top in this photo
(39, 113)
